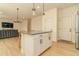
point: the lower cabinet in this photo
(37, 45)
(33, 45)
(46, 42)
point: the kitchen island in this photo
(35, 42)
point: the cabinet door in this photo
(47, 40)
(42, 43)
(37, 45)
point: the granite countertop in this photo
(35, 32)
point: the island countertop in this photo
(35, 32)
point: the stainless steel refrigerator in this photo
(77, 31)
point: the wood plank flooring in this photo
(62, 48)
(10, 47)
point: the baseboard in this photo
(70, 42)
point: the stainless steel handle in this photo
(40, 35)
(40, 41)
(70, 30)
(77, 32)
(49, 38)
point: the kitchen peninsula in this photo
(35, 42)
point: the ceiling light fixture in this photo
(33, 9)
(43, 8)
(38, 7)
(34, 13)
(17, 19)
(23, 17)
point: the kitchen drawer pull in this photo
(40, 41)
(40, 35)
(49, 38)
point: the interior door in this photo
(66, 28)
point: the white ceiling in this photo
(26, 8)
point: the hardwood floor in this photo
(62, 48)
(10, 47)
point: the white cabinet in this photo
(44, 41)
(47, 39)
(37, 45)
(33, 45)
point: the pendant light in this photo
(17, 21)
(33, 9)
(43, 8)
(38, 7)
